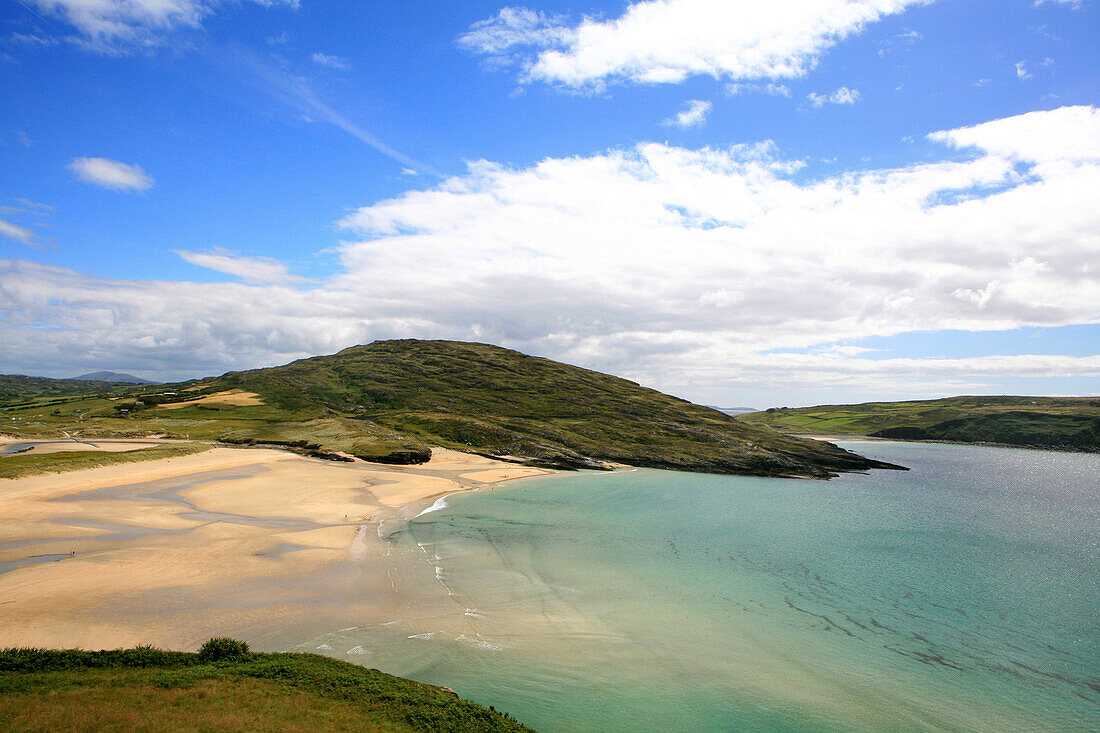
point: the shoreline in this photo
(245, 542)
(853, 438)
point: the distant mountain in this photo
(733, 410)
(1068, 423)
(116, 377)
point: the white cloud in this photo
(1067, 134)
(683, 269)
(255, 270)
(36, 206)
(120, 25)
(332, 62)
(775, 90)
(694, 115)
(18, 233)
(513, 27)
(1021, 70)
(111, 174)
(844, 95)
(1075, 4)
(666, 41)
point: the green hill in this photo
(147, 689)
(390, 400)
(1065, 423)
(14, 387)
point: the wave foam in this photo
(440, 503)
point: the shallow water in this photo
(961, 595)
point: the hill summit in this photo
(391, 400)
(113, 377)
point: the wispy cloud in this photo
(121, 26)
(18, 233)
(255, 270)
(1021, 70)
(1075, 4)
(111, 174)
(771, 88)
(844, 95)
(35, 205)
(332, 62)
(296, 92)
(694, 115)
(667, 41)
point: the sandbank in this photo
(231, 541)
(66, 446)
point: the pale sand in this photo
(235, 397)
(238, 542)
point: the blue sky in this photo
(807, 201)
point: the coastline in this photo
(859, 438)
(233, 541)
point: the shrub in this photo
(221, 649)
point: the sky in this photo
(741, 203)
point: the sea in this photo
(961, 595)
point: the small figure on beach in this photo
(72, 554)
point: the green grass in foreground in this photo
(18, 465)
(145, 689)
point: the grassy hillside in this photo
(15, 387)
(1069, 423)
(391, 400)
(147, 689)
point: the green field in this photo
(390, 400)
(1067, 423)
(146, 689)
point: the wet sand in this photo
(252, 543)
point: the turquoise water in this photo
(961, 595)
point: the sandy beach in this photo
(232, 541)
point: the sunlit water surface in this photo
(961, 595)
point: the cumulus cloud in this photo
(113, 26)
(18, 233)
(666, 41)
(111, 174)
(688, 270)
(256, 270)
(332, 62)
(844, 95)
(694, 115)
(1028, 137)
